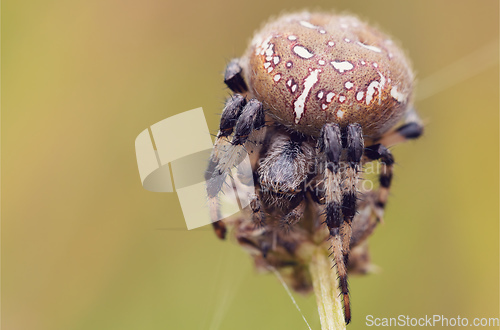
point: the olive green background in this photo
(84, 246)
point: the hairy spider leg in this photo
(354, 144)
(242, 117)
(365, 221)
(224, 154)
(363, 226)
(292, 217)
(413, 128)
(380, 152)
(330, 143)
(233, 77)
(214, 177)
(258, 215)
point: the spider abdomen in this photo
(311, 69)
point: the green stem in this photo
(331, 313)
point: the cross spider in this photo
(316, 96)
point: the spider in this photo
(316, 96)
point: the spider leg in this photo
(234, 80)
(258, 215)
(233, 77)
(363, 226)
(293, 216)
(350, 177)
(413, 128)
(230, 114)
(232, 110)
(365, 221)
(242, 118)
(331, 144)
(251, 118)
(380, 152)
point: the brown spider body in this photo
(316, 97)
(310, 69)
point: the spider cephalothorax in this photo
(316, 96)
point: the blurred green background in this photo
(84, 246)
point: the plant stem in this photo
(325, 285)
